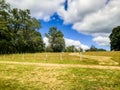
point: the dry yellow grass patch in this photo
(103, 60)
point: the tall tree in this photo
(27, 39)
(70, 48)
(6, 35)
(92, 48)
(18, 30)
(56, 39)
(115, 39)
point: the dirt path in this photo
(62, 65)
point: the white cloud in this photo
(76, 43)
(45, 39)
(41, 9)
(69, 42)
(102, 41)
(101, 21)
(78, 9)
(93, 18)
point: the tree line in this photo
(19, 33)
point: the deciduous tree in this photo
(56, 39)
(115, 39)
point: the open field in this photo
(93, 58)
(115, 55)
(95, 71)
(59, 58)
(32, 77)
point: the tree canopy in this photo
(72, 48)
(56, 39)
(18, 31)
(115, 39)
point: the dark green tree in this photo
(115, 39)
(6, 35)
(48, 49)
(18, 30)
(56, 39)
(27, 37)
(92, 48)
(70, 48)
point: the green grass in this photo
(51, 58)
(66, 58)
(38, 77)
(31, 77)
(115, 55)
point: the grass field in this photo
(54, 76)
(59, 58)
(114, 55)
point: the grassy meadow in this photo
(41, 77)
(58, 58)
(115, 55)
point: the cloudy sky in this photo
(83, 22)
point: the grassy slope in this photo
(32, 77)
(20, 77)
(66, 58)
(115, 55)
(51, 58)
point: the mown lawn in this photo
(32, 77)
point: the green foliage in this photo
(18, 31)
(48, 49)
(6, 35)
(115, 39)
(71, 49)
(93, 48)
(56, 39)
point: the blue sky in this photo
(68, 31)
(83, 22)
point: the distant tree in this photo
(115, 39)
(81, 49)
(93, 48)
(48, 49)
(101, 49)
(56, 39)
(70, 48)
